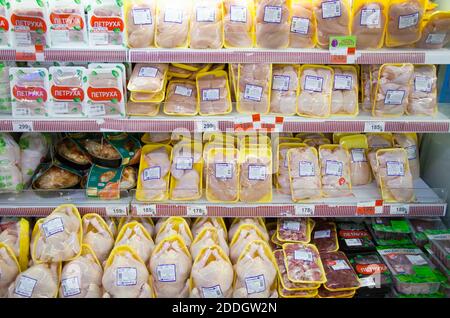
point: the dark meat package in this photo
(440, 245)
(354, 237)
(324, 237)
(390, 231)
(325, 293)
(420, 225)
(303, 263)
(294, 230)
(339, 273)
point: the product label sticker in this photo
(211, 94)
(255, 284)
(99, 37)
(407, 21)
(166, 273)
(343, 82)
(23, 37)
(291, 226)
(322, 234)
(412, 152)
(306, 169)
(205, 14)
(184, 163)
(152, 173)
(224, 170)
(70, 286)
(96, 110)
(338, 265)
(370, 17)
(353, 242)
(416, 259)
(25, 286)
(394, 97)
(147, 71)
(313, 83)
(272, 14)
(395, 168)
(18, 112)
(300, 25)
(212, 292)
(257, 172)
(423, 84)
(331, 9)
(142, 16)
(60, 108)
(303, 255)
(334, 168)
(253, 92)
(173, 15)
(358, 155)
(238, 14)
(126, 276)
(368, 281)
(183, 91)
(436, 38)
(280, 83)
(60, 36)
(53, 226)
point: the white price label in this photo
(25, 286)
(184, 163)
(126, 276)
(23, 126)
(224, 170)
(212, 292)
(272, 14)
(395, 169)
(374, 126)
(322, 234)
(436, 38)
(305, 210)
(358, 155)
(116, 211)
(370, 17)
(331, 9)
(334, 168)
(238, 14)
(313, 83)
(394, 97)
(211, 94)
(253, 92)
(197, 210)
(303, 255)
(423, 84)
(412, 152)
(152, 173)
(146, 210)
(99, 38)
(173, 15)
(142, 16)
(399, 209)
(407, 21)
(60, 36)
(353, 242)
(96, 110)
(60, 108)
(416, 259)
(183, 91)
(70, 286)
(291, 226)
(300, 25)
(53, 226)
(166, 273)
(339, 264)
(257, 172)
(205, 14)
(23, 37)
(255, 284)
(306, 169)
(368, 281)
(207, 126)
(280, 83)
(343, 82)
(146, 71)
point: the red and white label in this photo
(107, 23)
(32, 23)
(29, 93)
(67, 93)
(104, 94)
(66, 21)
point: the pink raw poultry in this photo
(141, 20)
(153, 177)
(315, 92)
(344, 97)
(404, 23)
(254, 88)
(222, 179)
(172, 25)
(272, 24)
(238, 24)
(304, 172)
(213, 93)
(181, 98)
(255, 179)
(333, 18)
(423, 97)
(335, 171)
(303, 27)
(206, 28)
(283, 99)
(369, 25)
(435, 34)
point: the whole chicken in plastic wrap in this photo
(304, 173)
(335, 171)
(423, 96)
(245, 234)
(253, 94)
(409, 142)
(209, 236)
(272, 24)
(201, 223)
(283, 98)
(315, 91)
(175, 226)
(181, 98)
(136, 237)
(404, 20)
(369, 24)
(222, 176)
(344, 97)
(238, 23)
(206, 28)
(146, 222)
(140, 23)
(38, 281)
(170, 266)
(9, 269)
(303, 26)
(436, 32)
(212, 274)
(185, 171)
(256, 272)
(97, 235)
(255, 178)
(258, 222)
(33, 148)
(333, 18)
(172, 25)
(213, 93)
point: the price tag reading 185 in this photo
(374, 126)
(23, 126)
(305, 209)
(399, 209)
(197, 210)
(146, 210)
(116, 210)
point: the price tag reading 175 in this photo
(305, 209)
(197, 210)
(374, 126)
(23, 126)
(116, 211)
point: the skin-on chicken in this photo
(254, 88)
(222, 179)
(404, 23)
(335, 171)
(181, 98)
(423, 97)
(435, 34)
(315, 92)
(9, 269)
(38, 281)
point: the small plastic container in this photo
(294, 230)
(303, 263)
(389, 232)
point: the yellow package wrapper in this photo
(272, 23)
(17, 237)
(282, 180)
(172, 23)
(213, 93)
(238, 23)
(146, 222)
(335, 171)
(377, 141)
(303, 26)
(333, 18)
(181, 98)
(206, 28)
(202, 222)
(369, 23)
(9, 267)
(209, 236)
(360, 172)
(410, 143)
(140, 21)
(344, 97)
(258, 222)
(435, 31)
(245, 234)
(423, 95)
(253, 88)
(175, 226)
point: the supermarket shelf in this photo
(163, 123)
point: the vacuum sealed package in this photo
(333, 18)
(423, 96)
(360, 172)
(282, 178)
(213, 92)
(440, 245)
(339, 272)
(272, 23)
(106, 23)
(354, 236)
(390, 232)
(324, 237)
(344, 97)
(140, 21)
(255, 175)
(296, 230)
(181, 98)
(206, 27)
(314, 98)
(5, 88)
(222, 175)
(410, 143)
(420, 225)
(335, 171)
(29, 91)
(238, 23)
(303, 25)
(369, 23)
(172, 23)
(254, 88)
(283, 97)
(67, 91)
(435, 31)
(148, 78)
(4, 27)
(67, 23)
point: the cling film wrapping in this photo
(324, 237)
(423, 95)
(245, 234)
(303, 25)
(333, 18)
(206, 24)
(335, 171)
(325, 293)
(5, 34)
(146, 222)
(134, 235)
(148, 78)
(294, 230)
(97, 234)
(172, 23)
(148, 98)
(140, 21)
(360, 171)
(253, 88)
(369, 23)
(238, 23)
(106, 23)
(207, 237)
(175, 225)
(214, 97)
(410, 143)
(255, 141)
(181, 98)
(9, 267)
(217, 222)
(16, 237)
(258, 222)
(284, 94)
(272, 24)
(282, 179)
(435, 31)
(344, 97)
(339, 272)
(142, 108)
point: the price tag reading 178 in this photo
(197, 210)
(305, 209)
(116, 211)
(23, 126)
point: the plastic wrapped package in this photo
(142, 108)
(315, 91)
(106, 23)
(255, 175)
(209, 222)
(97, 235)
(181, 98)
(324, 237)
(4, 32)
(390, 232)
(135, 236)
(411, 270)
(282, 181)
(147, 98)
(440, 245)
(354, 237)
(285, 293)
(178, 72)
(148, 78)
(124, 69)
(55, 176)
(213, 91)
(209, 236)
(175, 226)
(325, 293)
(439, 265)
(146, 222)
(238, 23)
(9, 267)
(396, 181)
(423, 96)
(369, 23)
(67, 23)
(303, 25)
(360, 172)
(375, 142)
(420, 225)
(29, 91)
(222, 175)
(344, 97)
(435, 31)
(410, 143)
(316, 142)
(297, 230)
(140, 21)
(272, 23)
(245, 234)
(335, 171)
(254, 88)
(5, 89)
(258, 222)
(404, 22)
(333, 18)
(367, 102)
(303, 263)
(283, 97)
(206, 25)
(172, 24)
(33, 150)
(16, 237)
(339, 272)
(10, 158)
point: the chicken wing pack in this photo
(97, 235)
(172, 26)
(181, 98)
(344, 97)
(283, 98)
(409, 142)
(333, 18)
(135, 236)
(423, 96)
(435, 31)
(206, 25)
(369, 23)
(106, 23)
(238, 23)
(207, 237)
(335, 171)
(272, 23)
(360, 172)
(213, 91)
(254, 88)
(140, 21)
(9, 267)
(4, 27)
(303, 25)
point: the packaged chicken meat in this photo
(324, 237)
(135, 236)
(272, 23)
(16, 237)
(33, 150)
(55, 176)
(423, 96)
(404, 22)
(390, 231)
(258, 222)
(181, 98)
(410, 143)
(175, 226)
(29, 27)
(206, 25)
(396, 181)
(67, 23)
(29, 91)
(4, 27)
(207, 222)
(222, 175)
(333, 18)
(10, 159)
(360, 172)
(365, 86)
(238, 23)
(9, 267)
(209, 236)
(283, 98)
(420, 225)
(297, 230)
(354, 236)
(172, 23)
(282, 178)
(284, 293)
(5, 88)
(375, 142)
(369, 23)
(212, 274)
(140, 21)
(97, 235)
(213, 91)
(325, 293)
(315, 91)
(435, 31)
(344, 97)
(440, 245)
(393, 90)
(303, 24)
(106, 23)
(254, 88)
(245, 234)
(124, 68)
(256, 272)
(335, 171)
(148, 78)
(125, 275)
(339, 272)
(146, 222)
(142, 109)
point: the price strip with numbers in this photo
(369, 208)
(343, 49)
(374, 126)
(206, 126)
(117, 210)
(23, 126)
(304, 209)
(197, 210)
(146, 210)
(399, 209)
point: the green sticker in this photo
(400, 226)
(340, 42)
(423, 271)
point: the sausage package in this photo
(360, 172)
(296, 230)
(254, 88)
(238, 23)
(303, 25)
(181, 98)
(324, 237)
(213, 91)
(335, 171)
(333, 18)
(272, 23)
(106, 23)
(303, 263)
(222, 175)
(172, 23)
(339, 272)
(410, 143)
(369, 23)
(206, 27)
(283, 98)
(423, 95)
(435, 31)
(344, 97)
(140, 21)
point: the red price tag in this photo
(338, 59)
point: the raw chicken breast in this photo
(9, 269)
(206, 28)
(97, 235)
(66, 91)
(28, 23)
(436, 33)
(38, 281)
(181, 98)
(238, 23)
(67, 24)
(142, 108)
(222, 176)
(360, 172)
(282, 174)
(335, 171)
(187, 165)
(272, 23)
(367, 101)
(283, 98)
(369, 24)
(208, 237)
(258, 222)
(255, 179)
(303, 26)
(344, 97)
(315, 91)
(140, 23)
(254, 82)
(395, 177)
(404, 22)
(154, 178)
(423, 97)
(172, 24)
(106, 23)
(213, 93)
(148, 78)
(375, 142)
(10, 237)
(135, 236)
(408, 141)
(333, 18)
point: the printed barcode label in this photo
(166, 273)
(53, 226)
(291, 226)
(70, 286)
(142, 16)
(212, 292)
(99, 37)
(205, 14)
(280, 83)
(300, 25)
(184, 163)
(253, 92)
(183, 91)
(370, 17)
(60, 36)
(416, 259)
(96, 110)
(146, 210)
(353, 242)
(394, 97)
(306, 169)
(238, 14)
(60, 107)
(148, 71)
(303, 255)
(126, 276)
(152, 173)
(395, 169)
(343, 82)
(25, 286)
(322, 234)
(423, 84)
(272, 14)
(334, 168)
(407, 21)
(339, 264)
(412, 152)
(257, 172)
(358, 155)
(211, 94)
(21, 112)
(436, 38)
(313, 83)
(331, 9)
(224, 171)
(255, 284)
